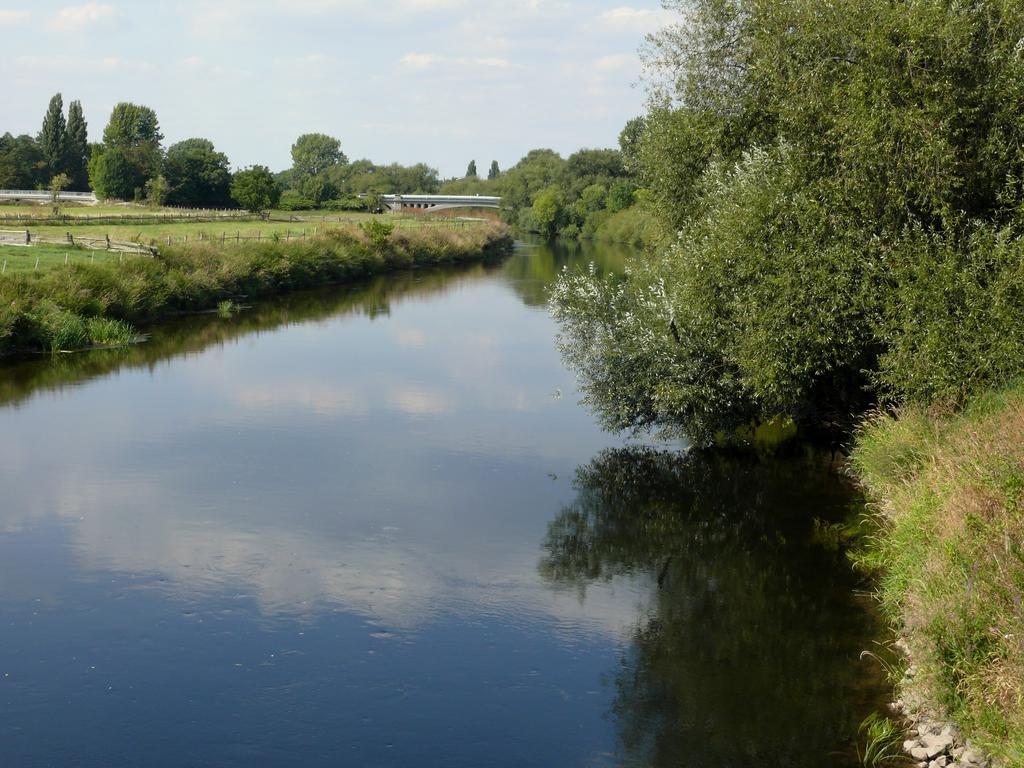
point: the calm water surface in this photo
(372, 527)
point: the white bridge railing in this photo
(438, 202)
(42, 194)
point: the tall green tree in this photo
(318, 189)
(314, 153)
(471, 170)
(591, 166)
(548, 211)
(540, 169)
(76, 162)
(112, 175)
(156, 191)
(22, 164)
(132, 125)
(255, 189)
(629, 143)
(621, 195)
(133, 132)
(53, 136)
(494, 172)
(197, 175)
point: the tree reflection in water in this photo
(749, 647)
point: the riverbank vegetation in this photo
(843, 187)
(843, 230)
(949, 552)
(93, 304)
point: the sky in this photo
(436, 81)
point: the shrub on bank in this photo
(634, 226)
(949, 554)
(345, 204)
(84, 305)
(294, 201)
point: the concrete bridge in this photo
(42, 196)
(426, 203)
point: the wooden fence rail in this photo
(25, 237)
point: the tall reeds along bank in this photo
(86, 305)
(948, 549)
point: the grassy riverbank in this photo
(95, 304)
(949, 552)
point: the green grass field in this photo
(177, 232)
(23, 259)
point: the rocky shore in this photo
(932, 741)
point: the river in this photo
(372, 526)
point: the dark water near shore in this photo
(371, 526)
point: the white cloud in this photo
(367, 6)
(77, 16)
(492, 61)
(28, 65)
(435, 5)
(428, 60)
(639, 20)
(10, 17)
(420, 60)
(616, 62)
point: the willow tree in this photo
(843, 187)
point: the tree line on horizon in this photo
(543, 192)
(132, 164)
